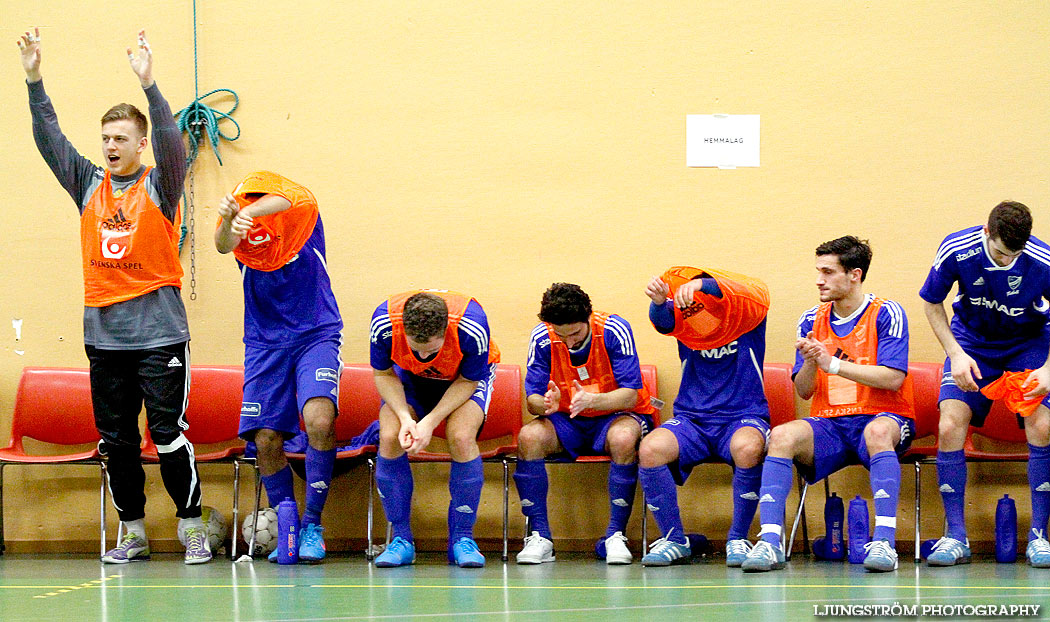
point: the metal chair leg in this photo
(104, 481)
(2, 545)
(918, 540)
(506, 505)
(645, 525)
(255, 515)
(803, 488)
(236, 507)
(369, 555)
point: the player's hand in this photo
(142, 61)
(551, 398)
(241, 224)
(814, 350)
(658, 291)
(582, 399)
(424, 432)
(683, 298)
(407, 434)
(29, 46)
(228, 208)
(964, 370)
(1037, 383)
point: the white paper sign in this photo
(722, 140)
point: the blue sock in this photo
(885, 489)
(951, 478)
(661, 497)
(394, 480)
(746, 484)
(1039, 483)
(279, 486)
(319, 466)
(623, 480)
(530, 477)
(464, 484)
(777, 475)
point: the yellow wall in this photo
(495, 147)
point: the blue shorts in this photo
(423, 394)
(585, 436)
(706, 441)
(277, 383)
(839, 442)
(1027, 355)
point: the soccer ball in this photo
(214, 525)
(265, 531)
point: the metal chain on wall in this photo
(193, 239)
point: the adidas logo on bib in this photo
(174, 362)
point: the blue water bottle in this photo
(287, 532)
(859, 535)
(1006, 531)
(830, 546)
(834, 516)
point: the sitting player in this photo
(852, 360)
(433, 363)
(292, 334)
(584, 384)
(721, 413)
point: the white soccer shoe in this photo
(616, 551)
(537, 550)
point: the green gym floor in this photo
(45, 588)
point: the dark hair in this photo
(127, 111)
(425, 316)
(565, 303)
(852, 252)
(1011, 222)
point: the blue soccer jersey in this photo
(293, 304)
(473, 343)
(619, 344)
(996, 306)
(891, 324)
(720, 384)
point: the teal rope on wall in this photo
(198, 120)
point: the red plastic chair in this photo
(1000, 425)
(780, 393)
(53, 405)
(502, 425)
(213, 415)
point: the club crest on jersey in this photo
(251, 409)
(1014, 282)
(326, 373)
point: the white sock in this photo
(187, 523)
(137, 527)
